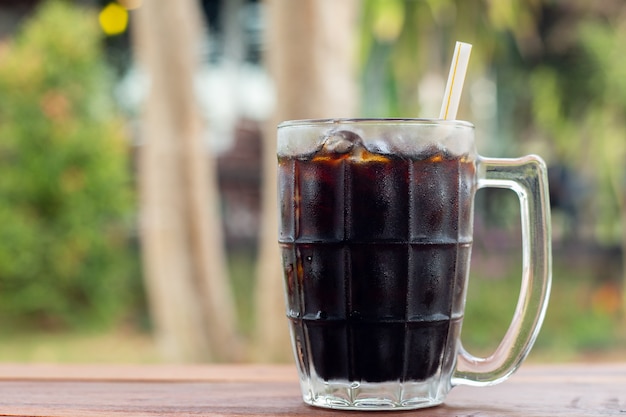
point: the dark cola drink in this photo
(375, 248)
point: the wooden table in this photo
(266, 390)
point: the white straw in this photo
(458, 68)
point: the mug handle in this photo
(527, 176)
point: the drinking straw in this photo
(454, 86)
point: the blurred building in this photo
(236, 97)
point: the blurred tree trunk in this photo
(311, 58)
(190, 298)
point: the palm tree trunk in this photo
(184, 263)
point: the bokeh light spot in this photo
(113, 19)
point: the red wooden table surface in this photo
(268, 390)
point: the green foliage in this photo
(402, 40)
(65, 191)
(574, 325)
(604, 121)
(577, 106)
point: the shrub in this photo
(65, 190)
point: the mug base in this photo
(373, 396)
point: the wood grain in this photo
(264, 390)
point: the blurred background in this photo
(137, 197)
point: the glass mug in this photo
(376, 219)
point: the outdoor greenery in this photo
(556, 78)
(66, 204)
(580, 324)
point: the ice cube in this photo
(379, 146)
(341, 142)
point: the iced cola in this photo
(375, 249)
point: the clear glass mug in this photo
(376, 220)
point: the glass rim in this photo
(375, 120)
